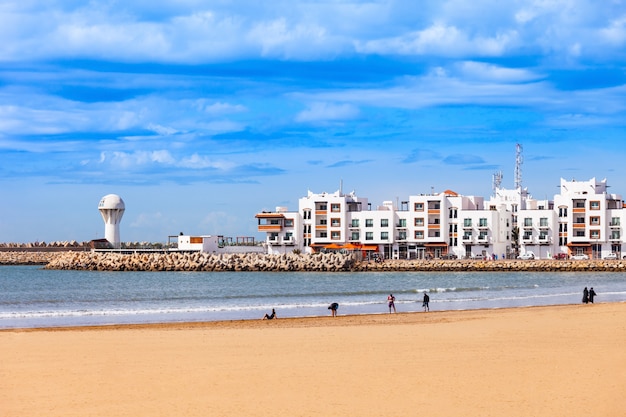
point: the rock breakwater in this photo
(329, 262)
(172, 261)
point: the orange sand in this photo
(540, 361)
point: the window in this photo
(288, 222)
(562, 211)
(273, 237)
(335, 222)
(543, 222)
(563, 227)
(369, 222)
(306, 214)
(482, 235)
(615, 234)
(594, 220)
(467, 222)
(323, 234)
(369, 236)
(419, 221)
(528, 234)
(384, 222)
(384, 235)
(335, 235)
(335, 208)
(594, 205)
(467, 236)
(418, 207)
(579, 220)
(615, 221)
(528, 222)
(543, 235)
(323, 222)
(289, 236)
(322, 207)
(355, 223)
(482, 222)
(453, 213)
(419, 234)
(402, 223)
(402, 235)
(355, 236)
(595, 234)
(580, 233)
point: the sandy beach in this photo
(539, 361)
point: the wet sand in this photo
(539, 361)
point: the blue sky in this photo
(200, 114)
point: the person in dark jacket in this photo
(425, 302)
(585, 296)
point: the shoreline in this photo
(540, 361)
(382, 318)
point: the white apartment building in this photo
(582, 218)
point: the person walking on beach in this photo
(270, 316)
(391, 300)
(425, 302)
(585, 296)
(592, 294)
(333, 309)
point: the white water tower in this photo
(112, 208)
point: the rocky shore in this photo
(172, 261)
(328, 262)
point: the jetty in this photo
(290, 262)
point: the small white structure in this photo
(205, 243)
(112, 208)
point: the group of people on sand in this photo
(391, 302)
(588, 295)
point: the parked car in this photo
(580, 257)
(526, 256)
(611, 255)
(560, 256)
(448, 256)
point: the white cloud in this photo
(615, 33)
(217, 108)
(472, 70)
(441, 39)
(322, 111)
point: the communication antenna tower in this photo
(497, 181)
(518, 166)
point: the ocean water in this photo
(33, 297)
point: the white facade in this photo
(583, 218)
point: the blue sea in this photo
(33, 297)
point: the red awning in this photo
(578, 244)
(435, 244)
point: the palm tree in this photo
(515, 240)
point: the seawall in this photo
(329, 262)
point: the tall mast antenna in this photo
(518, 166)
(497, 181)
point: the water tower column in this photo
(112, 208)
